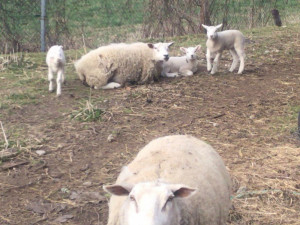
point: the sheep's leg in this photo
(51, 80)
(59, 81)
(216, 63)
(208, 59)
(186, 73)
(171, 74)
(111, 85)
(235, 60)
(63, 76)
(241, 55)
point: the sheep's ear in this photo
(181, 191)
(204, 26)
(183, 49)
(150, 45)
(198, 48)
(119, 190)
(219, 26)
(170, 44)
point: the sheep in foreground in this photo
(56, 61)
(114, 65)
(232, 40)
(184, 65)
(174, 180)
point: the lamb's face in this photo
(55, 55)
(190, 52)
(212, 31)
(153, 203)
(161, 51)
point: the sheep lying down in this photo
(114, 65)
(185, 65)
(174, 180)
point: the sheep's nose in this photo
(166, 57)
(211, 36)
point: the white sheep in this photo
(232, 40)
(56, 61)
(184, 65)
(114, 65)
(174, 180)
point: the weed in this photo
(88, 113)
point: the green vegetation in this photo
(88, 113)
(94, 22)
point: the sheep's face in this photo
(161, 51)
(56, 55)
(212, 31)
(190, 52)
(151, 203)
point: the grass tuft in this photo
(88, 113)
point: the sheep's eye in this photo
(131, 197)
(170, 198)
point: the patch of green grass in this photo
(127, 111)
(87, 113)
(20, 96)
(288, 122)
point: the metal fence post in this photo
(43, 15)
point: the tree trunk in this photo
(204, 14)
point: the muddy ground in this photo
(249, 119)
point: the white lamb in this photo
(114, 65)
(232, 40)
(174, 180)
(56, 61)
(184, 65)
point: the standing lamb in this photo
(174, 180)
(114, 65)
(56, 61)
(233, 40)
(184, 65)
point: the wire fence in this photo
(93, 23)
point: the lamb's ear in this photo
(181, 191)
(150, 45)
(183, 49)
(198, 48)
(204, 26)
(119, 190)
(219, 26)
(170, 44)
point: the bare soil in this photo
(249, 119)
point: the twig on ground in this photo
(5, 139)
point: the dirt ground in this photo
(249, 119)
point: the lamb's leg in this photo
(171, 74)
(111, 85)
(51, 80)
(216, 63)
(242, 56)
(186, 73)
(63, 76)
(235, 59)
(208, 59)
(59, 81)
